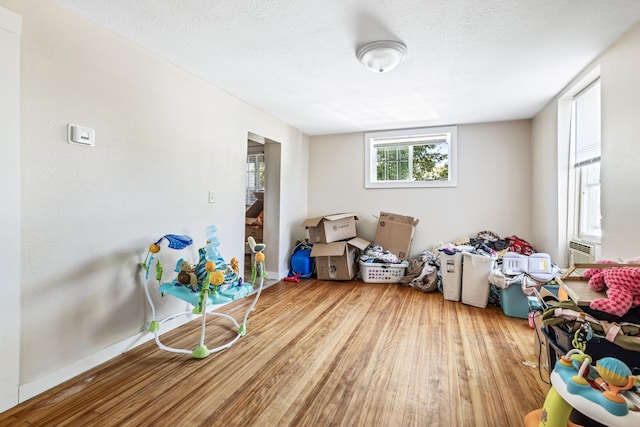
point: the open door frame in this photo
(271, 232)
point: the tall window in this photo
(255, 177)
(586, 136)
(411, 158)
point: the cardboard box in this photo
(331, 228)
(337, 260)
(256, 208)
(395, 233)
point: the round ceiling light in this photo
(382, 56)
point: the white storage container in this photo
(475, 279)
(381, 273)
(451, 271)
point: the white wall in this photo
(547, 228)
(163, 140)
(493, 191)
(10, 28)
(619, 68)
(621, 148)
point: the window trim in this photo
(369, 164)
(577, 169)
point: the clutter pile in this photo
(422, 273)
(486, 268)
(340, 254)
(564, 325)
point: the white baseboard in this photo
(28, 390)
(273, 276)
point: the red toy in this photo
(295, 278)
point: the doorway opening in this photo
(254, 196)
(262, 201)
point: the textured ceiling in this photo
(468, 60)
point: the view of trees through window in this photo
(411, 158)
(426, 162)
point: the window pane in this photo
(255, 177)
(411, 158)
(589, 208)
(430, 162)
(404, 171)
(587, 129)
(586, 135)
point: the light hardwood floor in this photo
(317, 353)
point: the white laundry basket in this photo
(475, 279)
(451, 271)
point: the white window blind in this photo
(587, 122)
(411, 141)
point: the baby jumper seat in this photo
(205, 285)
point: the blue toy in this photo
(208, 283)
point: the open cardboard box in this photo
(395, 233)
(331, 228)
(338, 260)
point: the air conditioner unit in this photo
(581, 252)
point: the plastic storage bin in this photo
(451, 272)
(516, 303)
(475, 279)
(381, 273)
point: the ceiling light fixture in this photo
(382, 56)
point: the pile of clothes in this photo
(377, 254)
(491, 244)
(422, 273)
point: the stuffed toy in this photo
(623, 287)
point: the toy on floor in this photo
(623, 287)
(593, 391)
(210, 282)
(295, 278)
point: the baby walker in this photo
(209, 283)
(595, 392)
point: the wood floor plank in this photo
(317, 353)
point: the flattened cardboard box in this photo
(331, 228)
(395, 233)
(254, 210)
(337, 260)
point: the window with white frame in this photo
(255, 177)
(424, 157)
(586, 144)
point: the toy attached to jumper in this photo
(204, 285)
(623, 287)
(592, 390)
